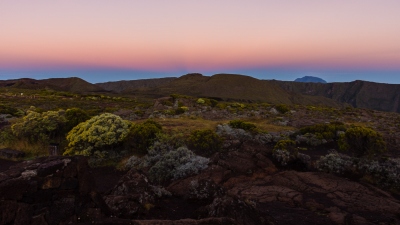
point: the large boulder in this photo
(315, 194)
(243, 212)
(49, 191)
(133, 195)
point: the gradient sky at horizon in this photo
(101, 40)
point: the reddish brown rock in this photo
(204, 184)
(37, 192)
(208, 221)
(8, 211)
(243, 212)
(237, 188)
(130, 196)
(50, 167)
(51, 182)
(16, 188)
(341, 199)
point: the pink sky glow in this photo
(200, 35)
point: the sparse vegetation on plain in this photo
(238, 124)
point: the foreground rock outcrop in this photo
(339, 200)
(62, 190)
(49, 191)
(238, 187)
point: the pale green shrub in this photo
(97, 135)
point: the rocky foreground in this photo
(238, 187)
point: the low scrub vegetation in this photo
(287, 145)
(282, 108)
(287, 154)
(39, 127)
(362, 141)
(330, 131)
(180, 110)
(176, 164)
(6, 109)
(75, 116)
(383, 173)
(143, 135)
(207, 102)
(204, 142)
(239, 124)
(97, 136)
(168, 159)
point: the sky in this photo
(102, 40)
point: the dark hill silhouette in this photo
(361, 94)
(310, 79)
(73, 84)
(130, 85)
(231, 87)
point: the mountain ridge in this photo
(126, 85)
(235, 87)
(231, 87)
(71, 84)
(363, 94)
(360, 94)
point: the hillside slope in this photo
(72, 84)
(232, 87)
(129, 85)
(361, 94)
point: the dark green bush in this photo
(167, 103)
(142, 136)
(7, 138)
(139, 113)
(178, 96)
(4, 109)
(40, 127)
(204, 142)
(208, 102)
(181, 110)
(213, 102)
(165, 142)
(282, 108)
(285, 145)
(74, 117)
(362, 141)
(238, 124)
(324, 131)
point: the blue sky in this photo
(97, 76)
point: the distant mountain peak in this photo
(310, 79)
